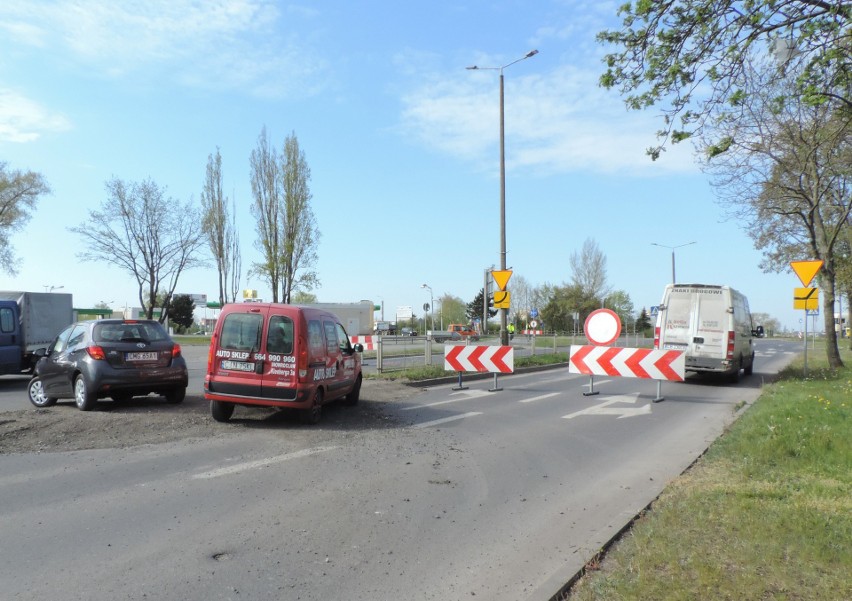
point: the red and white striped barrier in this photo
(532, 332)
(370, 343)
(627, 362)
(496, 359)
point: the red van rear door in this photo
(279, 369)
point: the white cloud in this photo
(557, 122)
(231, 44)
(23, 120)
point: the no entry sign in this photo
(602, 327)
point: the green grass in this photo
(765, 514)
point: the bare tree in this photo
(150, 236)
(785, 169)
(286, 227)
(236, 257)
(588, 271)
(266, 190)
(216, 224)
(19, 192)
(299, 225)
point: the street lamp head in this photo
(531, 53)
(472, 68)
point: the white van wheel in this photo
(312, 414)
(749, 369)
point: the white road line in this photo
(444, 420)
(539, 398)
(250, 465)
(463, 395)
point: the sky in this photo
(401, 139)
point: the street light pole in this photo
(431, 305)
(672, 248)
(504, 332)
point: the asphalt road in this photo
(456, 494)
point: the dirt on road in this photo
(150, 420)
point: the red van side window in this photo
(331, 336)
(315, 339)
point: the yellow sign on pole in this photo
(502, 299)
(806, 298)
(806, 270)
(501, 277)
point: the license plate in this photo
(141, 356)
(237, 366)
(674, 347)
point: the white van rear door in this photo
(712, 319)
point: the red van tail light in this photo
(96, 353)
(657, 338)
(302, 358)
(731, 337)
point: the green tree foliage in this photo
(558, 314)
(19, 192)
(151, 236)
(643, 322)
(689, 54)
(619, 301)
(475, 310)
(452, 309)
(301, 297)
(182, 310)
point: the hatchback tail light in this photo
(176, 350)
(96, 352)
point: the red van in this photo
(275, 355)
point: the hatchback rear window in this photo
(139, 331)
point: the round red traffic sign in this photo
(602, 327)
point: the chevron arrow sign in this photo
(627, 362)
(496, 359)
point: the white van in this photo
(712, 324)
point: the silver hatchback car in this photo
(114, 358)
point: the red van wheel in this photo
(312, 414)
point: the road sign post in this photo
(806, 298)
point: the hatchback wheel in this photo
(312, 414)
(35, 391)
(83, 397)
(176, 395)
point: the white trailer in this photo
(357, 318)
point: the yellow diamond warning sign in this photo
(806, 270)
